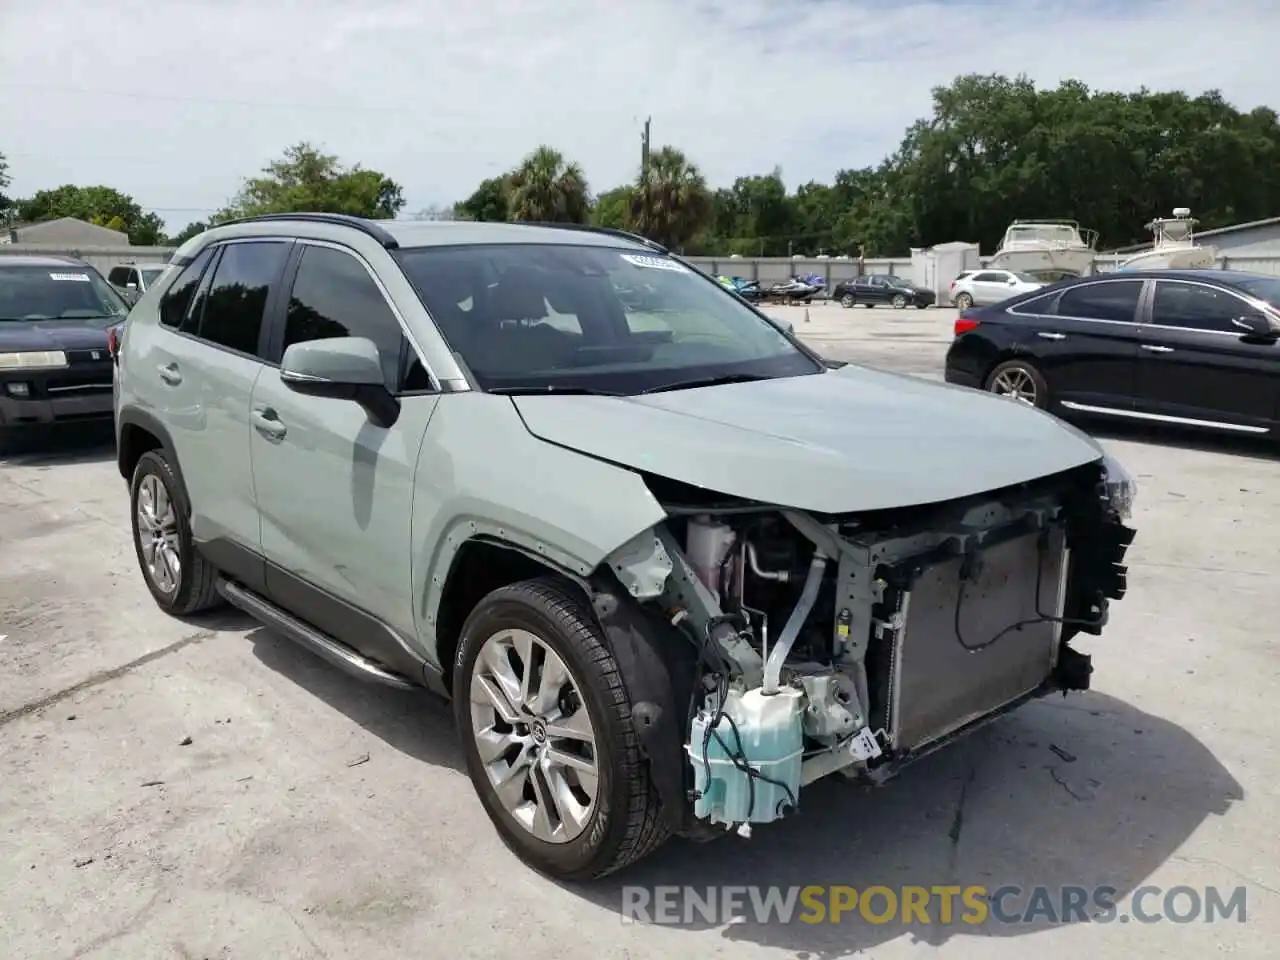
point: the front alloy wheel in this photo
(550, 745)
(534, 736)
(847, 301)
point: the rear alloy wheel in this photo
(181, 581)
(964, 301)
(546, 726)
(899, 301)
(847, 301)
(1019, 380)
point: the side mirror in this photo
(341, 368)
(1013, 281)
(1257, 325)
(131, 286)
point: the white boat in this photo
(1174, 246)
(1052, 249)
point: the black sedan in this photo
(1199, 348)
(55, 359)
(870, 291)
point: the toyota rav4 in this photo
(670, 565)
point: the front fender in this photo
(480, 473)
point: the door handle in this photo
(170, 375)
(1156, 348)
(1052, 336)
(267, 423)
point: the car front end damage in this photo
(767, 647)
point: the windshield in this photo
(57, 293)
(1028, 278)
(1264, 288)
(896, 281)
(548, 317)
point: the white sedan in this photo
(982, 288)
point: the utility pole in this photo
(644, 170)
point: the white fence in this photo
(764, 269)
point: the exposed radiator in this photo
(937, 685)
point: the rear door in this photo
(205, 363)
(1196, 366)
(1086, 341)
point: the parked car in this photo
(1191, 347)
(54, 360)
(133, 280)
(450, 456)
(869, 291)
(982, 288)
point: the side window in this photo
(1195, 307)
(991, 276)
(234, 302)
(1109, 300)
(176, 300)
(334, 296)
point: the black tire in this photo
(899, 301)
(1025, 369)
(921, 306)
(626, 824)
(847, 301)
(196, 589)
(868, 305)
(963, 301)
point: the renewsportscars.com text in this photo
(942, 904)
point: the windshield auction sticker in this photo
(81, 277)
(654, 263)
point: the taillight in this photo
(113, 342)
(965, 324)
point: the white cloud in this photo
(441, 94)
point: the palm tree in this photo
(671, 203)
(546, 187)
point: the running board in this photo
(339, 654)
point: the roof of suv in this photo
(401, 234)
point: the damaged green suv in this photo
(669, 564)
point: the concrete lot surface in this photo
(205, 789)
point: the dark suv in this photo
(55, 313)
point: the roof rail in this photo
(365, 226)
(588, 228)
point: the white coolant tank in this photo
(770, 739)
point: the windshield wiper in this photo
(552, 389)
(707, 382)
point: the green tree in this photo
(671, 203)
(100, 205)
(613, 208)
(548, 188)
(305, 179)
(192, 229)
(491, 202)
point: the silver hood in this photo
(847, 440)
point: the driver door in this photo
(334, 489)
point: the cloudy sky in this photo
(175, 102)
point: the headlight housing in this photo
(33, 360)
(1119, 488)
